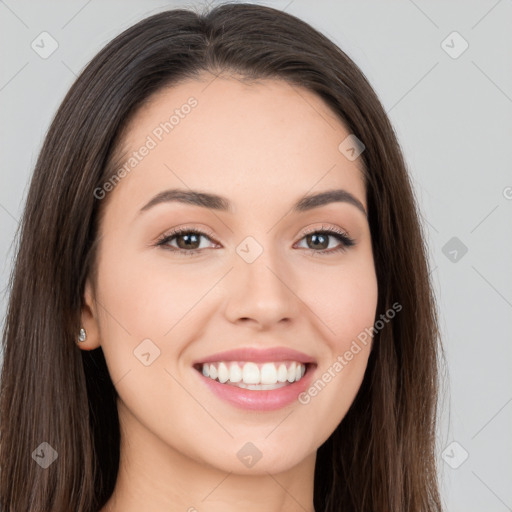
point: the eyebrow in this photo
(219, 203)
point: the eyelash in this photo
(340, 235)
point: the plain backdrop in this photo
(443, 73)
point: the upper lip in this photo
(258, 355)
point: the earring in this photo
(82, 336)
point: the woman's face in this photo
(251, 273)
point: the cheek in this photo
(146, 298)
(343, 298)
(345, 302)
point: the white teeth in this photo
(291, 372)
(251, 375)
(261, 387)
(298, 372)
(268, 373)
(282, 373)
(223, 373)
(235, 373)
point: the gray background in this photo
(453, 119)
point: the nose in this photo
(262, 293)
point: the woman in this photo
(289, 362)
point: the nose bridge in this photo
(262, 288)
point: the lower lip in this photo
(260, 400)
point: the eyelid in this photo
(324, 227)
(203, 230)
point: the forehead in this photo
(264, 140)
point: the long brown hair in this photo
(382, 455)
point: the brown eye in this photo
(184, 241)
(318, 241)
(189, 240)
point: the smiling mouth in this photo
(254, 376)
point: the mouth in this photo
(257, 380)
(252, 375)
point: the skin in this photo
(263, 146)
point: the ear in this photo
(89, 320)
